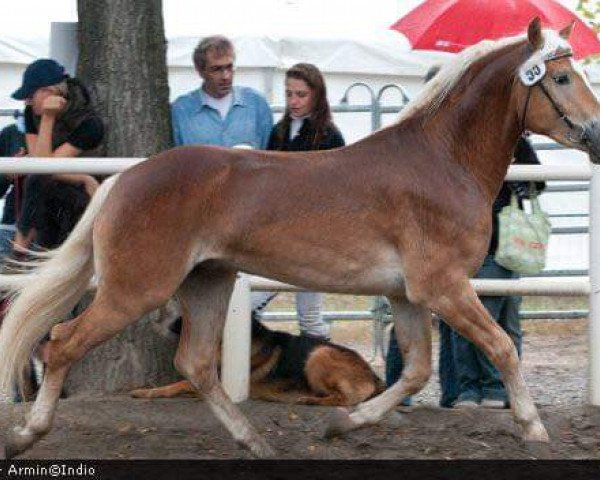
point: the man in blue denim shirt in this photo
(219, 113)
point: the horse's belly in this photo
(376, 273)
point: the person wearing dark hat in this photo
(60, 121)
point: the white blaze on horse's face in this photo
(559, 101)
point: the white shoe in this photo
(466, 404)
(491, 403)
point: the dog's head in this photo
(263, 344)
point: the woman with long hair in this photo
(307, 122)
(306, 125)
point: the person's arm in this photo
(66, 150)
(40, 145)
(272, 144)
(177, 140)
(265, 123)
(88, 135)
(525, 154)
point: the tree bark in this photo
(122, 59)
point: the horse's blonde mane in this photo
(431, 97)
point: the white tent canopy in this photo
(376, 58)
(384, 52)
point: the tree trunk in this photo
(122, 59)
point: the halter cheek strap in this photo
(525, 106)
(572, 126)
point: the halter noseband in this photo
(572, 126)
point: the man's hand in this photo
(53, 105)
(521, 189)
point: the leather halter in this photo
(572, 126)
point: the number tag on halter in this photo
(531, 73)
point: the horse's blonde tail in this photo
(44, 295)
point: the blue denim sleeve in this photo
(177, 140)
(265, 119)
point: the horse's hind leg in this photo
(204, 298)
(413, 330)
(68, 343)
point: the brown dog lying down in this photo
(296, 369)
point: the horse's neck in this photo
(479, 129)
(484, 142)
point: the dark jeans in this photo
(394, 365)
(465, 372)
(52, 207)
(447, 367)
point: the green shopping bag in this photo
(522, 237)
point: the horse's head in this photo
(556, 98)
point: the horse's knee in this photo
(504, 355)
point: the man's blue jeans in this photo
(465, 372)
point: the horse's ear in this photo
(534, 34)
(566, 32)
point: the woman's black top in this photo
(304, 140)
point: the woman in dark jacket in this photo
(306, 125)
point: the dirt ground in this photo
(555, 366)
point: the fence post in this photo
(235, 355)
(594, 319)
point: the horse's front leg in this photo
(413, 330)
(461, 308)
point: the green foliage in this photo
(590, 11)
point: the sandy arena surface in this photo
(555, 367)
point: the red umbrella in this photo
(451, 25)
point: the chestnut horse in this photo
(405, 213)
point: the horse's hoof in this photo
(13, 447)
(19, 441)
(536, 433)
(339, 423)
(10, 451)
(260, 449)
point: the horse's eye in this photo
(562, 79)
